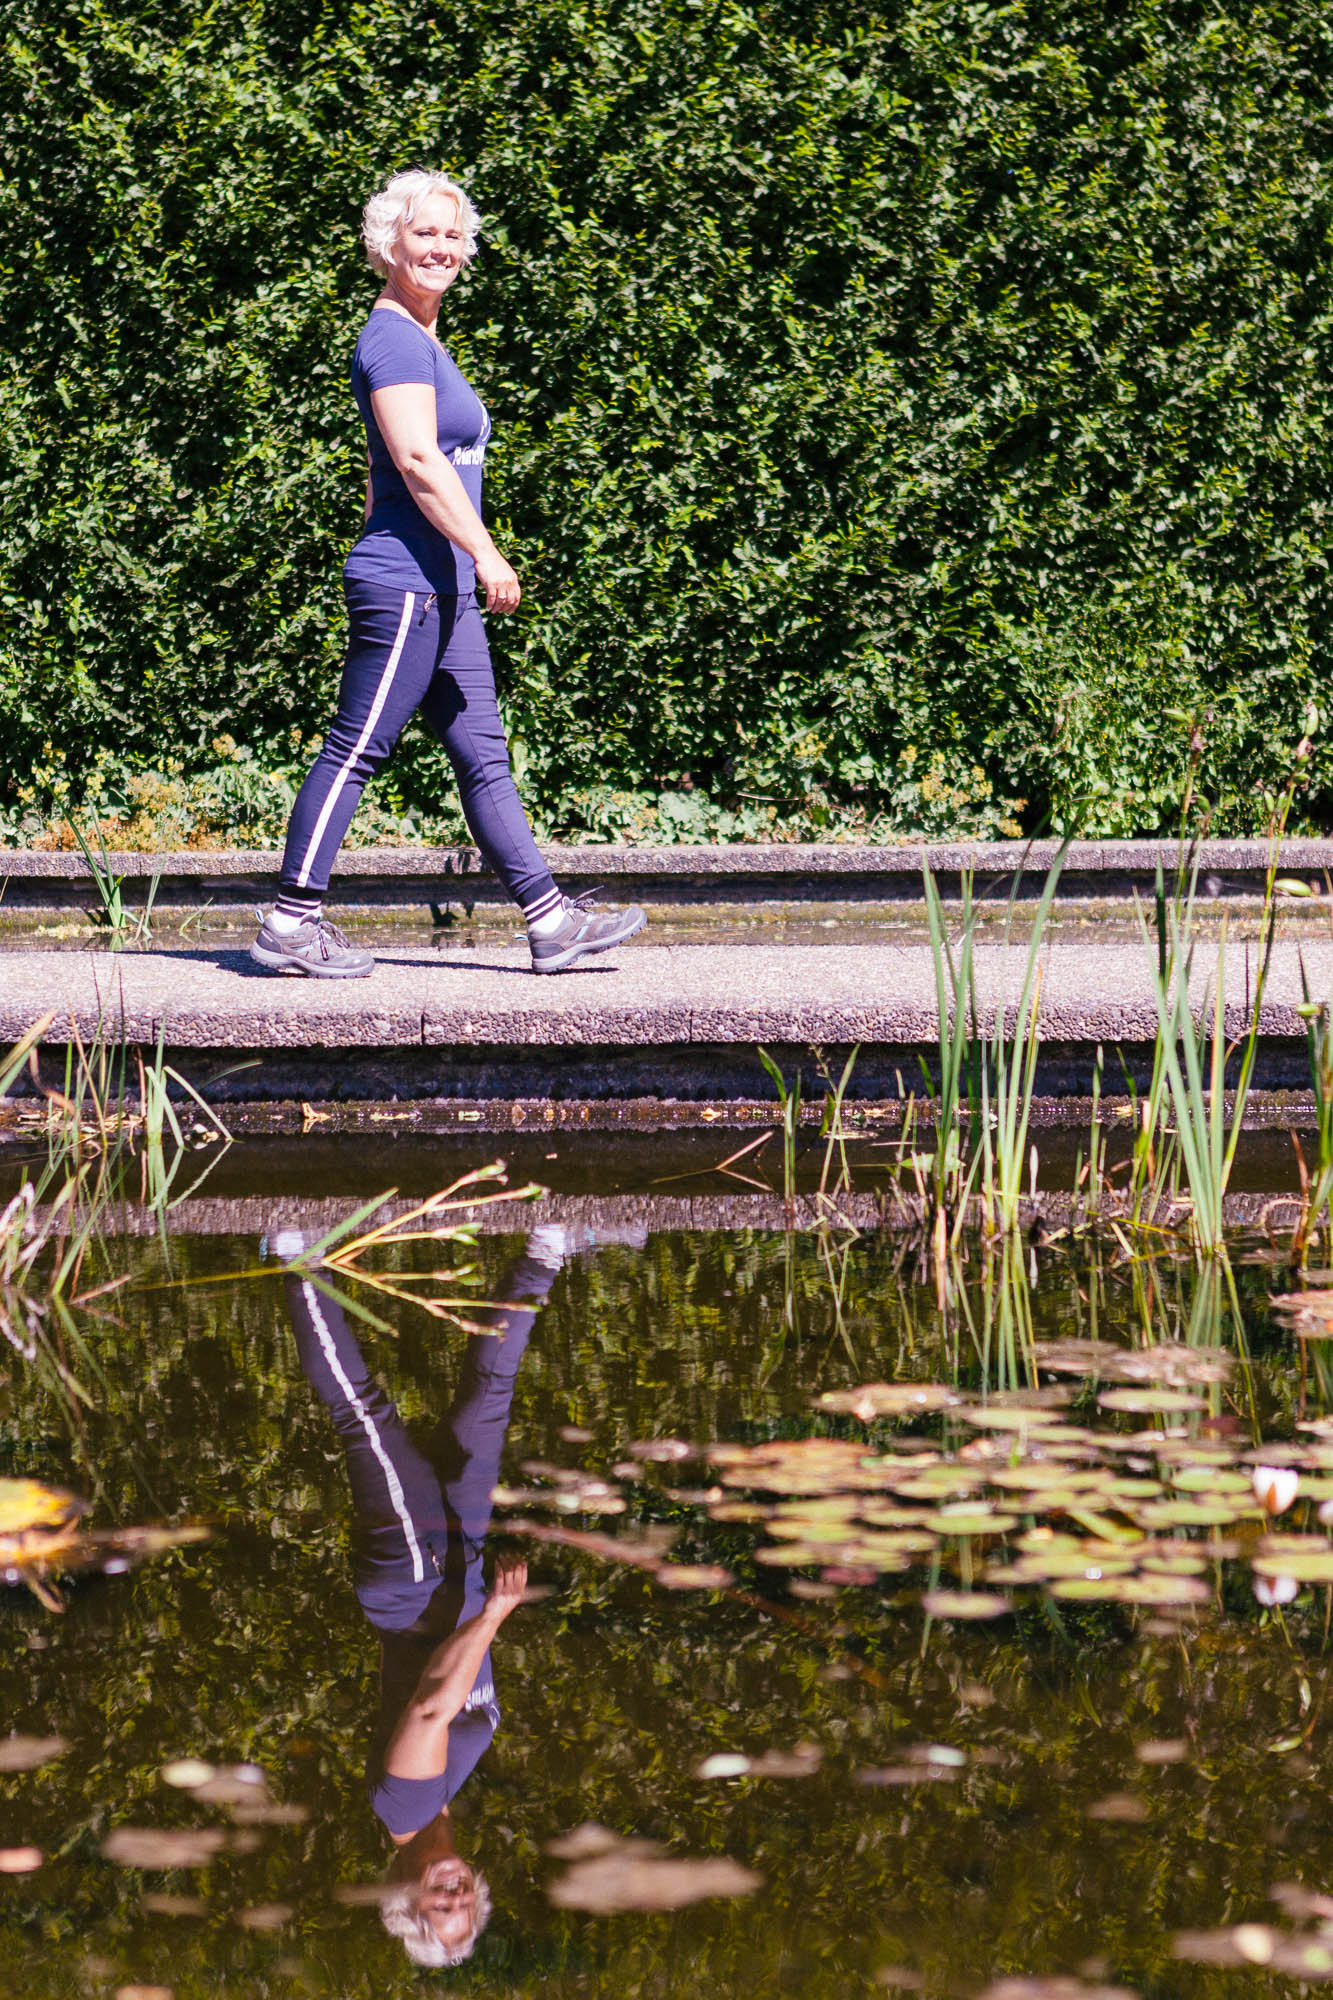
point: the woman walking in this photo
(416, 639)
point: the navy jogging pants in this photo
(410, 652)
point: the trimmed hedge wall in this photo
(920, 409)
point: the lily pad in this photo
(1150, 1402)
(964, 1520)
(965, 1604)
(636, 1875)
(1314, 1566)
(890, 1399)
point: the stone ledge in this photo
(448, 865)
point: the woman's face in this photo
(447, 1899)
(429, 252)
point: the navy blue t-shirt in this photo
(405, 1805)
(399, 548)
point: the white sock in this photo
(548, 925)
(548, 1243)
(284, 924)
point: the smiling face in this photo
(429, 253)
(447, 1899)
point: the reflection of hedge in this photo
(253, 1646)
(881, 391)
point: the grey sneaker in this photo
(584, 931)
(317, 948)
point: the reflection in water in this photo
(422, 1513)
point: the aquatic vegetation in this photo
(863, 1721)
(41, 1539)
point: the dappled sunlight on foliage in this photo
(912, 423)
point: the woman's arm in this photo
(419, 1746)
(405, 415)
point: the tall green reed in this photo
(1192, 1058)
(1009, 1074)
(789, 1104)
(956, 1088)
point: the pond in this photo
(746, 1736)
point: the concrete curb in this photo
(205, 1215)
(447, 878)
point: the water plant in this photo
(789, 1105)
(1192, 1058)
(448, 1216)
(1009, 1076)
(950, 1172)
(112, 911)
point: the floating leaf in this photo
(1008, 1417)
(693, 1576)
(162, 1904)
(887, 1514)
(1033, 1475)
(792, 1555)
(1076, 1357)
(1315, 1305)
(1120, 1808)
(1189, 1514)
(1162, 1750)
(1150, 1402)
(28, 1753)
(1139, 1589)
(1174, 1362)
(906, 1774)
(890, 1399)
(940, 1482)
(1312, 1566)
(723, 1764)
(362, 1895)
(966, 1604)
(162, 1847)
(636, 1875)
(1212, 1480)
(187, 1772)
(1059, 1988)
(964, 1520)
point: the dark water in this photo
(966, 1801)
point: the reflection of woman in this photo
(421, 1521)
(416, 640)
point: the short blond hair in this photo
(387, 214)
(402, 1918)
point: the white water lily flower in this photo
(1273, 1590)
(1275, 1487)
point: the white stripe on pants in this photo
(381, 696)
(367, 1422)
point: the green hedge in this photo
(921, 411)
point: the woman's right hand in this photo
(498, 581)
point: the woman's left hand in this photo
(509, 1588)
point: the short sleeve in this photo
(405, 1805)
(392, 350)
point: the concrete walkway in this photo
(677, 1021)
